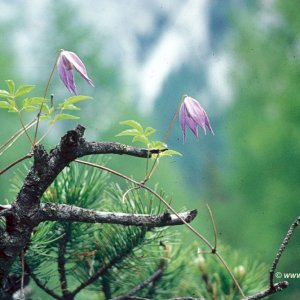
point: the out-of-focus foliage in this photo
(263, 135)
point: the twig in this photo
(45, 94)
(214, 226)
(22, 294)
(40, 284)
(24, 128)
(151, 280)
(277, 287)
(281, 249)
(28, 155)
(61, 263)
(142, 285)
(121, 255)
(64, 212)
(15, 137)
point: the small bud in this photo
(200, 261)
(239, 272)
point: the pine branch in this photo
(24, 211)
(121, 255)
(63, 212)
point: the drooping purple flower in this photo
(67, 61)
(193, 115)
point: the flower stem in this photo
(24, 128)
(45, 94)
(174, 119)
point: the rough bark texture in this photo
(63, 212)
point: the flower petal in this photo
(78, 65)
(66, 74)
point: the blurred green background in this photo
(241, 60)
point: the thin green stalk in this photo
(24, 128)
(4, 147)
(28, 155)
(174, 119)
(45, 94)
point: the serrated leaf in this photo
(141, 138)
(66, 106)
(170, 153)
(158, 145)
(4, 104)
(45, 109)
(133, 124)
(44, 117)
(34, 101)
(75, 99)
(65, 117)
(131, 132)
(149, 131)
(4, 94)
(23, 90)
(13, 109)
(11, 86)
(30, 108)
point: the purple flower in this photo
(67, 61)
(193, 115)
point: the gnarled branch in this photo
(24, 212)
(63, 212)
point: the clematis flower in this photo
(193, 115)
(67, 61)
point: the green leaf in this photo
(11, 86)
(13, 109)
(65, 117)
(149, 131)
(132, 132)
(4, 94)
(66, 106)
(30, 108)
(133, 124)
(141, 138)
(75, 99)
(170, 153)
(34, 101)
(45, 109)
(23, 90)
(4, 104)
(44, 117)
(158, 145)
